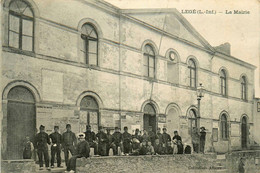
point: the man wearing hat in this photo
(69, 141)
(126, 138)
(82, 150)
(166, 140)
(90, 137)
(56, 146)
(41, 141)
(202, 139)
(102, 141)
(117, 135)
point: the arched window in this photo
(192, 73)
(149, 118)
(223, 82)
(149, 61)
(224, 126)
(243, 88)
(90, 41)
(21, 26)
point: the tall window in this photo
(243, 88)
(224, 126)
(223, 82)
(21, 27)
(192, 71)
(90, 39)
(149, 61)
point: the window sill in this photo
(90, 66)
(19, 51)
(150, 79)
(224, 139)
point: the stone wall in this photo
(233, 161)
(156, 164)
(18, 166)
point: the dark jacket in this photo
(159, 136)
(69, 138)
(158, 149)
(117, 137)
(90, 136)
(110, 139)
(41, 140)
(102, 138)
(56, 138)
(126, 137)
(82, 149)
(166, 138)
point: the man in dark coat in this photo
(41, 141)
(91, 138)
(177, 141)
(202, 139)
(69, 141)
(110, 143)
(166, 139)
(102, 141)
(159, 135)
(117, 140)
(151, 135)
(126, 138)
(56, 140)
(82, 150)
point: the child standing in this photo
(27, 148)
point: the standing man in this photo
(195, 140)
(126, 137)
(177, 141)
(56, 139)
(202, 139)
(69, 141)
(159, 135)
(117, 140)
(151, 135)
(102, 141)
(82, 150)
(90, 137)
(166, 140)
(110, 143)
(41, 141)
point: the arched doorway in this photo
(149, 117)
(244, 132)
(192, 120)
(89, 113)
(172, 121)
(21, 120)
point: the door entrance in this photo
(149, 117)
(21, 120)
(90, 111)
(244, 133)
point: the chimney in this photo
(224, 48)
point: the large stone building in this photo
(88, 62)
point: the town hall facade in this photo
(89, 62)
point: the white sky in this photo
(240, 30)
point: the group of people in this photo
(104, 144)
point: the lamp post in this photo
(200, 94)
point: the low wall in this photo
(134, 164)
(18, 166)
(233, 160)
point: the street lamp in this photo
(200, 94)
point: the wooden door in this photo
(21, 120)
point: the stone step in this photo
(53, 170)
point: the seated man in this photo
(135, 147)
(158, 147)
(82, 150)
(150, 149)
(143, 149)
